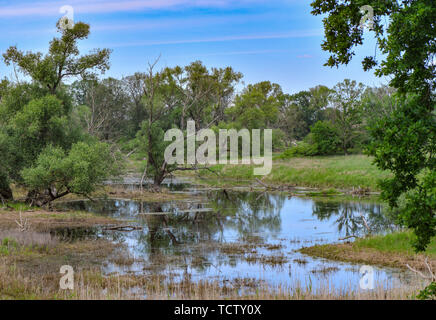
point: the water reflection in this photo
(350, 217)
(240, 234)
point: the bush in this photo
(429, 293)
(302, 149)
(325, 138)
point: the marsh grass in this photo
(92, 285)
(29, 239)
(320, 172)
(391, 250)
(399, 242)
(42, 220)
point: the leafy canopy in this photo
(404, 142)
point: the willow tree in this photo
(36, 125)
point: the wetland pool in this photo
(238, 235)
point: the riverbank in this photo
(340, 172)
(391, 250)
(30, 261)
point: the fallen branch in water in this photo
(432, 275)
(365, 223)
(123, 228)
(348, 237)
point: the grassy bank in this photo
(392, 250)
(90, 284)
(343, 172)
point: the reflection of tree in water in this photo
(349, 216)
(180, 232)
(253, 212)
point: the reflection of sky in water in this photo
(194, 238)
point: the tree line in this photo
(58, 138)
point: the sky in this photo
(275, 40)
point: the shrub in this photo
(325, 138)
(302, 149)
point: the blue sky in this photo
(265, 40)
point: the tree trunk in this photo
(6, 193)
(5, 189)
(39, 199)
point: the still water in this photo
(226, 235)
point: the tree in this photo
(301, 110)
(157, 108)
(37, 115)
(101, 107)
(56, 174)
(377, 102)
(346, 102)
(62, 60)
(133, 86)
(405, 141)
(257, 107)
(325, 137)
(5, 165)
(170, 98)
(200, 94)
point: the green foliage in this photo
(428, 293)
(405, 141)
(101, 107)
(278, 140)
(257, 107)
(302, 149)
(322, 140)
(61, 61)
(5, 166)
(41, 122)
(346, 100)
(404, 144)
(39, 137)
(79, 172)
(325, 138)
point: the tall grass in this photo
(322, 172)
(92, 285)
(398, 242)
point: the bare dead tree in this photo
(23, 224)
(431, 274)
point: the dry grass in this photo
(35, 274)
(43, 220)
(120, 192)
(91, 284)
(349, 252)
(29, 238)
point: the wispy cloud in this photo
(237, 53)
(305, 56)
(50, 8)
(292, 34)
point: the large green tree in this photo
(37, 131)
(405, 141)
(62, 61)
(257, 107)
(347, 115)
